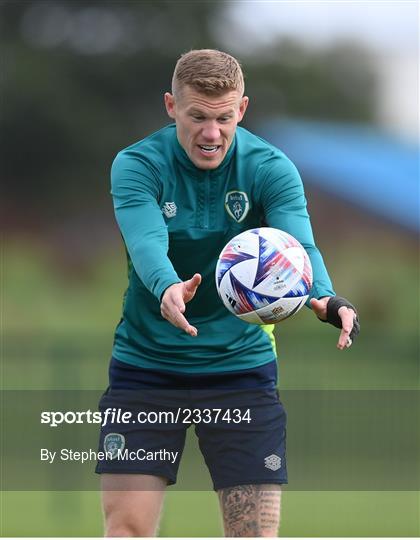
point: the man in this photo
(173, 202)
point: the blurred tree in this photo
(290, 80)
(83, 79)
(73, 97)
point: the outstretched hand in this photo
(173, 303)
(347, 316)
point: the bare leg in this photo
(132, 504)
(251, 510)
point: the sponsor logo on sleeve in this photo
(169, 209)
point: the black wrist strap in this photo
(333, 305)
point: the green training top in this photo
(175, 220)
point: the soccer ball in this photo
(263, 275)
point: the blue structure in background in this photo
(355, 163)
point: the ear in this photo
(242, 107)
(170, 104)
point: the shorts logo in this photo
(169, 209)
(272, 462)
(237, 205)
(114, 442)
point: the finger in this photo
(348, 317)
(316, 304)
(192, 284)
(319, 308)
(344, 341)
(192, 331)
(190, 287)
(181, 322)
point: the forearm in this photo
(322, 285)
(146, 240)
(299, 226)
(284, 205)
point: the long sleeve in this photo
(135, 192)
(284, 205)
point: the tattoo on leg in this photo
(251, 510)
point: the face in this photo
(206, 124)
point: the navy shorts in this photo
(237, 416)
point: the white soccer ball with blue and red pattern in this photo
(263, 275)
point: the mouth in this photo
(209, 149)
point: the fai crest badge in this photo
(237, 205)
(113, 443)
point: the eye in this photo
(224, 119)
(198, 117)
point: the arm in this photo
(135, 192)
(284, 204)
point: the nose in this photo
(211, 132)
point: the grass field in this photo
(57, 334)
(192, 514)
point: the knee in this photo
(127, 529)
(129, 509)
(126, 524)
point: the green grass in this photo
(57, 334)
(192, 514)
